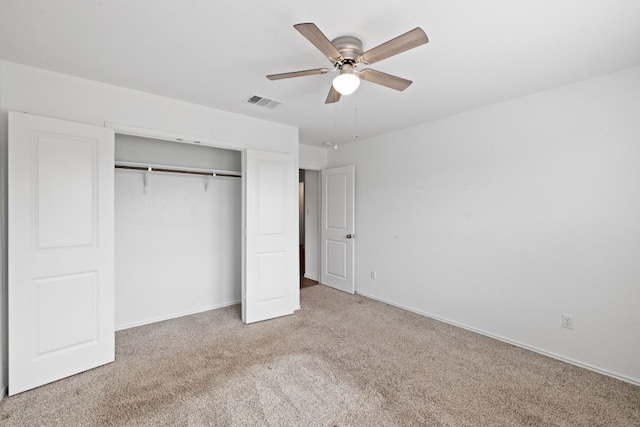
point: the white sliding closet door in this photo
(270, 275)
(61, 302)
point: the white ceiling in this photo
(217, 53)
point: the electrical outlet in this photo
(373, 274)
(567, 321)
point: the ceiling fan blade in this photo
(406, 41)
(334, 96)
(297, 74)
(384, 79)
(319, 40)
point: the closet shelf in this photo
(176, 169)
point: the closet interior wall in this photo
(177, 245)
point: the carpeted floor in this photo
(341, 360)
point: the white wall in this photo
(177, 248)
(66, 97)
(156, 152)
(312, 224)
(313, 158)
(3, 242)
(503, 218)
(46, 93)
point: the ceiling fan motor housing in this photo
(350, 48)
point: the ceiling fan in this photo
(345, 53)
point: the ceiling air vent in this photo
(263, 102)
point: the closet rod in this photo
(156, 169)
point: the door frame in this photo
(319, 169)
(318, 213)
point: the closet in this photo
(106, 236)
(177, 229)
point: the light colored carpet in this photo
(341, 360)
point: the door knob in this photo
(350, 236)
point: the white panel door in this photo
(61, 313)
(338, 228)
(271, 266)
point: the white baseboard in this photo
(175, 315)
(311, 277)
(509, 341)
(3, 392)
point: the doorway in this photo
(309, 214)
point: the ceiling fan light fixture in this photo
(347, 82)
(345, 53)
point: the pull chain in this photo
(355, 135)
(335, 126)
